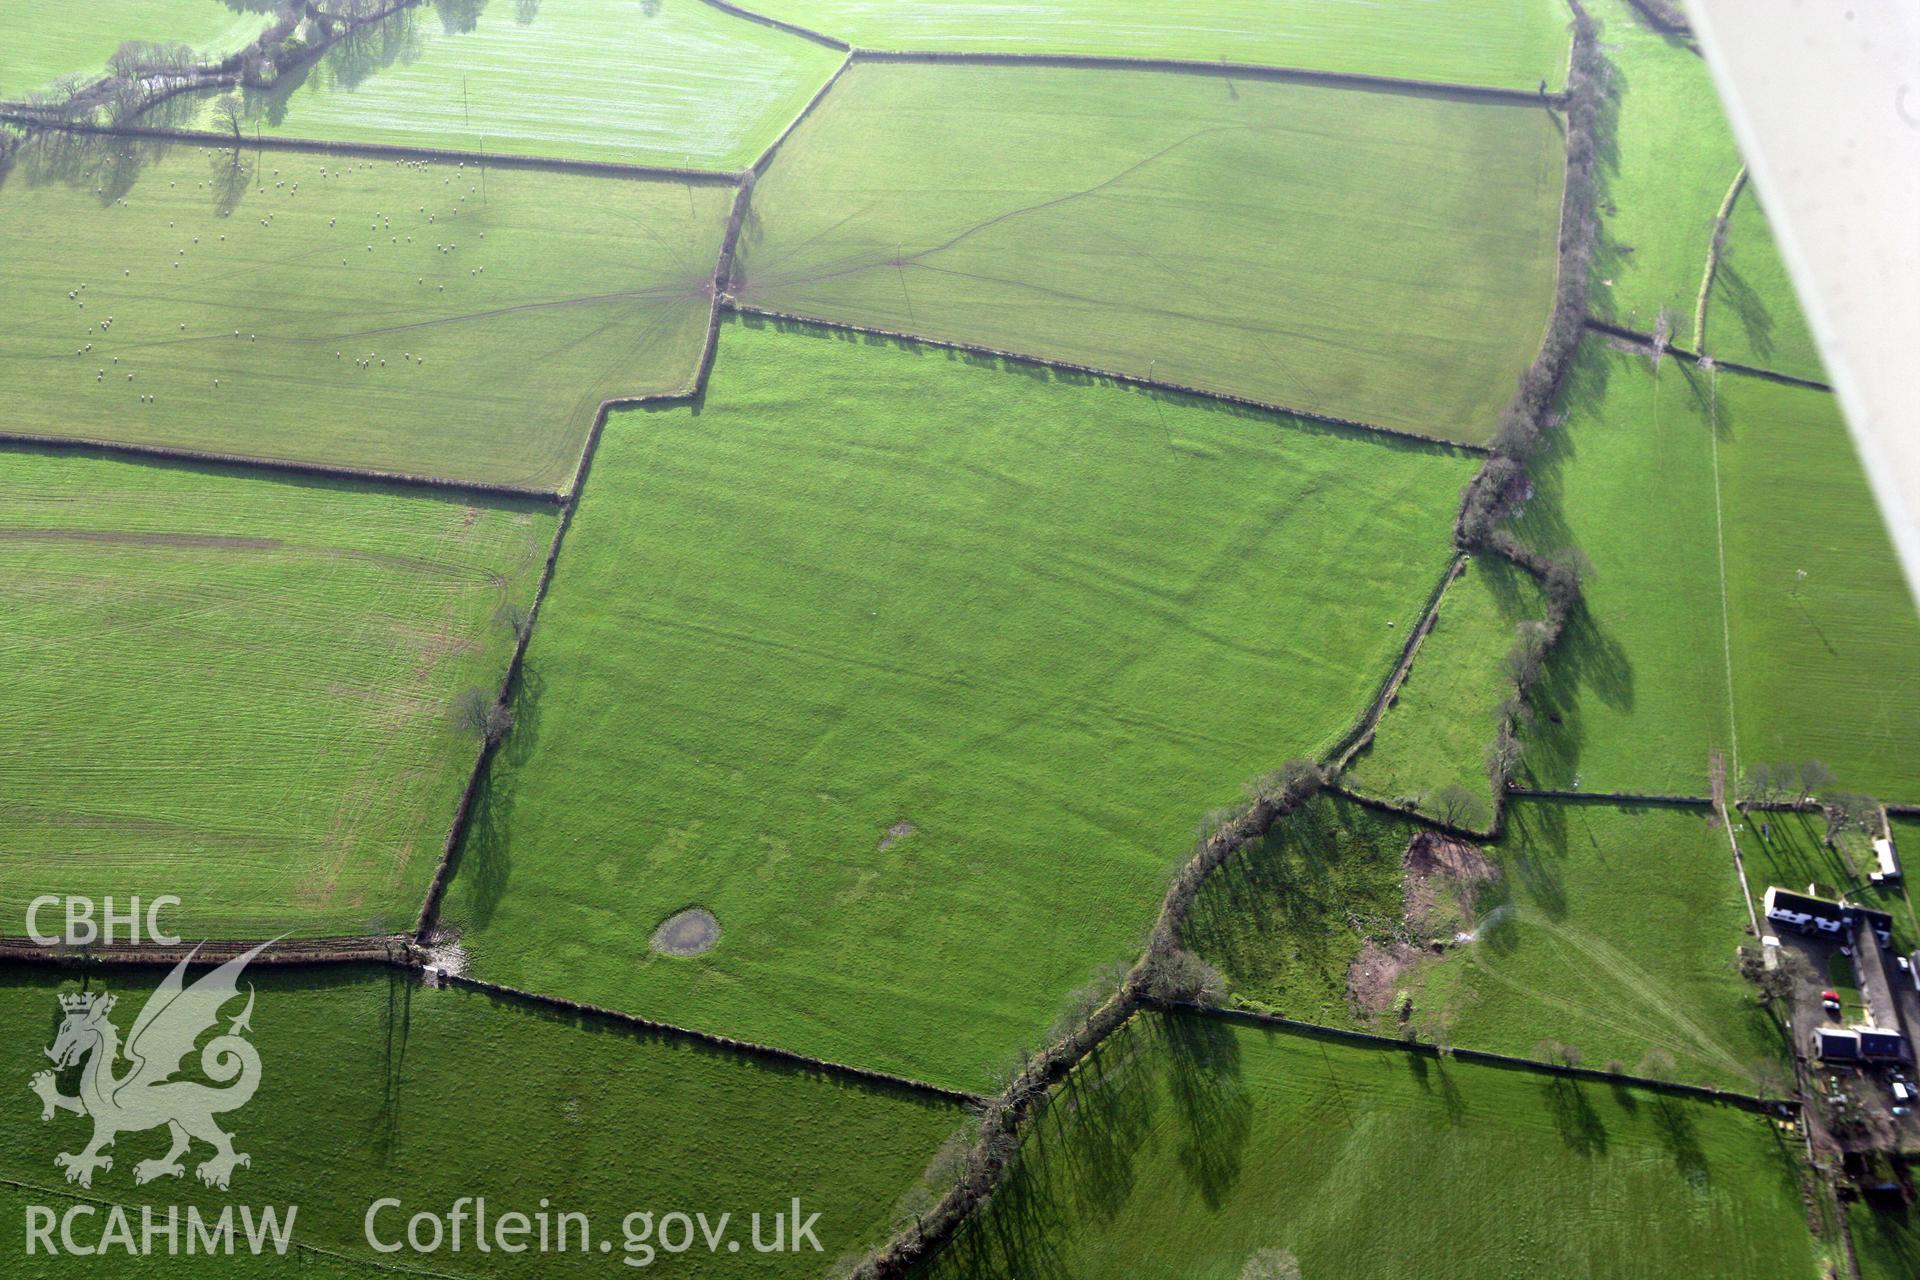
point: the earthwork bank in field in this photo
(241, 691)
(1512, 44)
(1194, 1146)
(1303, 246)
(1753, 317)
(402, 316)
(372, 1086)
(917, 671)
(656, 82)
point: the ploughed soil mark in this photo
(686, 933)
(1442, 877)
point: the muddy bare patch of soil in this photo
(1443, 876)
(1375, 975)
(686, 933)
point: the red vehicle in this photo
(1830, 1001)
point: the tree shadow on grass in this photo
(483, 863)
(1573, 1115)
(1213, 1104)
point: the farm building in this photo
(1809, 914)
(1887, 860)
(1837, 1044)
(1880, 1042)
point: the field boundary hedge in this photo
(759, 166)
(376, 150)
(501, 712)
(745, 1048)
(1714, 245)
(1244, 70)
(240, 461)
(1751, 371)
(1662, 16)
(1088, 371)
(780, 24)
(1428, 1049)
(1360, 736)
(1398, 810)
(1611, 797)
(391, 948)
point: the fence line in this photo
(759, 166)
(1088, 371)
(780, 24)
(244, 462)
(1361, 734)
(1222, 68)
(746, 1048)
(1752, 371)
(1428, 1049)
(374, 150)
(392, 948)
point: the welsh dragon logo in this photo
(146, 1095)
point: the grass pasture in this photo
(1436, 733)
(1206, 1150)
(1302, 246)
(1826, 639)
(1663, 174)
(918, 672)
(241, 691)
(657, 82)
(377, 314)
(1886, 1240)
(372, 1086)
(42, 40)
(1511, 44)
(1753, 314)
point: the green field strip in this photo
(657, 82)
(372, 1086)
(1662, 174)
(1119, 229)
(1436, 733)
(1635, 696)
(44, 40)
(242, 691)
(384, 315)
(926, 673)
(1190, 1146)
(1753, 315)
(1512, 44)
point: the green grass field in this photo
(1308, 247)
(1616, 936)
(1280, 918)
(1202, 1149)
(42, 40)
(1511, 44)
(1753, 315)
(371, 1086)
(919, 673)
(1663, 173)
(1826, 640)
(659, 82)
(1436, 733)
(316, 308)
(241, 691)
